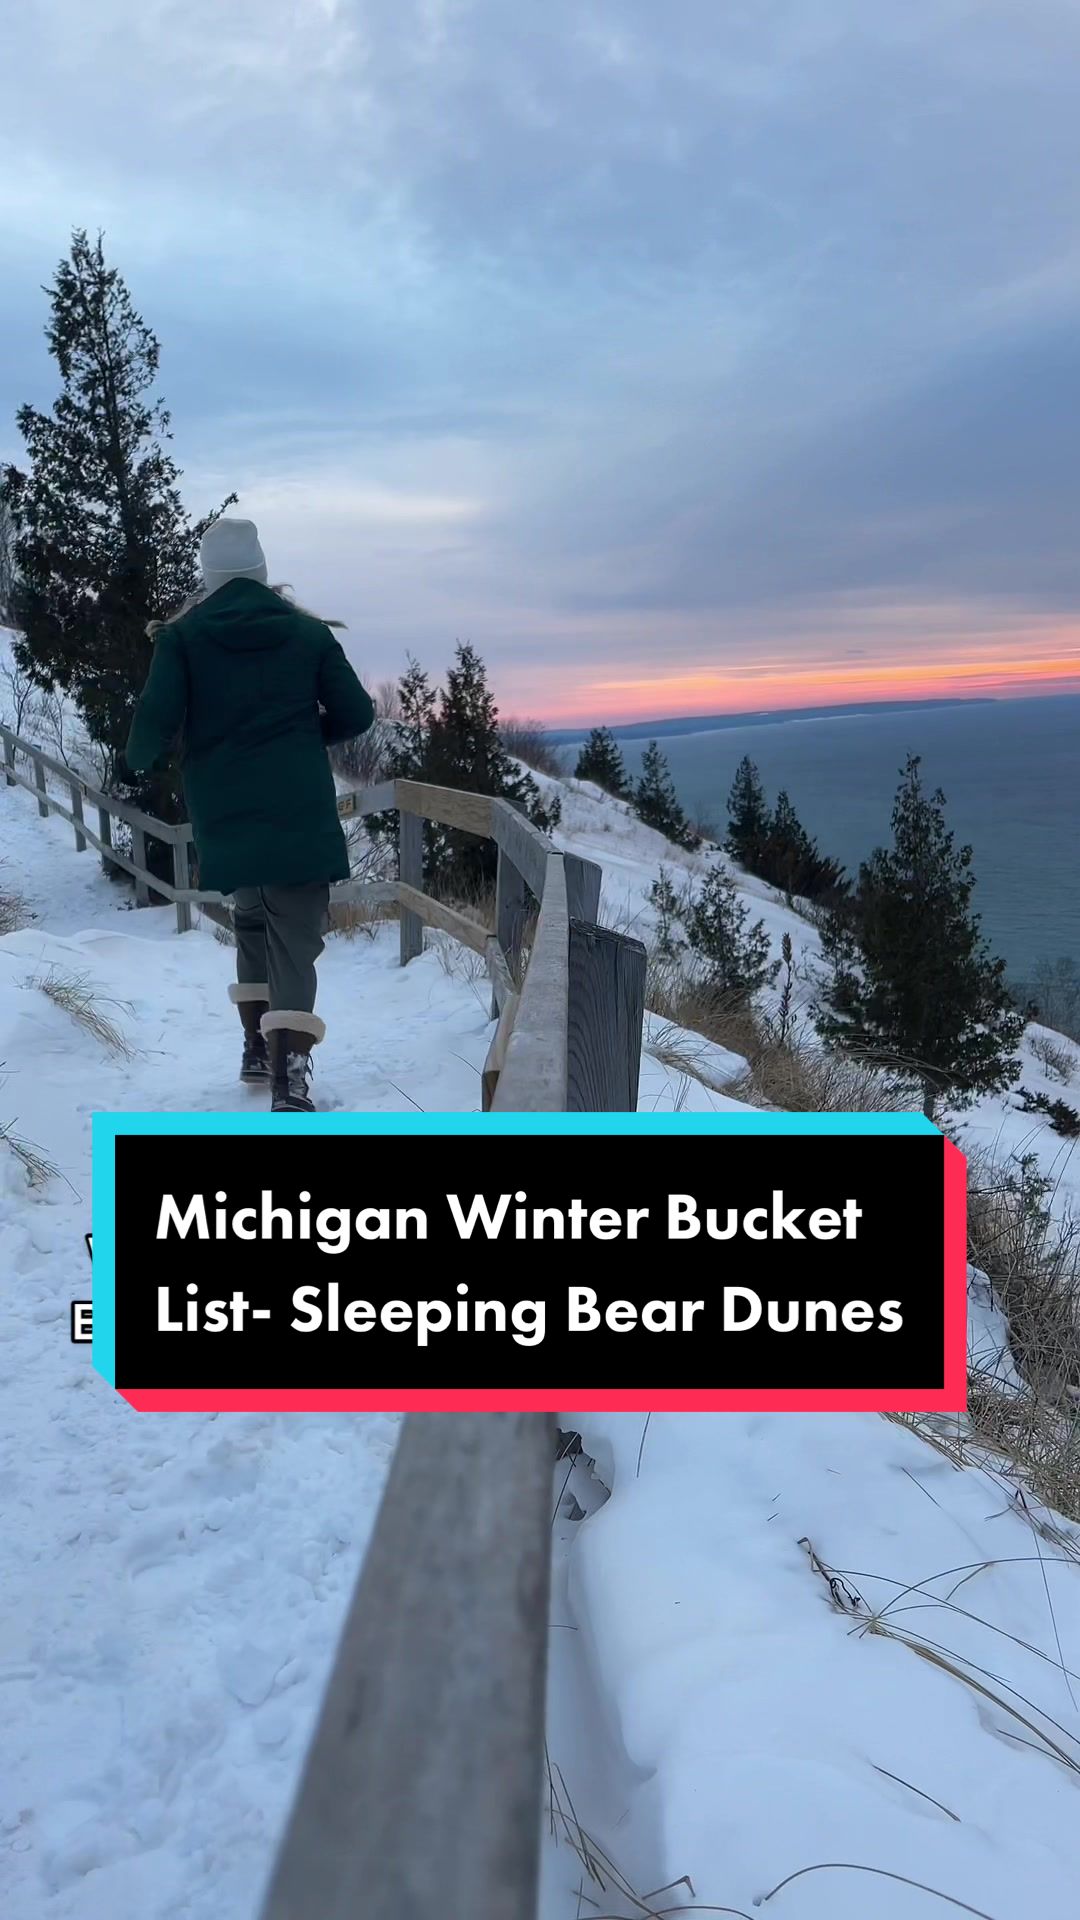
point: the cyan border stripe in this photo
(107, 1126)
(103, 1130)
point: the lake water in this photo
(1010, 770)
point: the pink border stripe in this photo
(949, 1398)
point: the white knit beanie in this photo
(230, 550)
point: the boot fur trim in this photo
(308, 1024)
(243, 990)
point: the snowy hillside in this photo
(783, 1640)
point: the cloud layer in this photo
(686, 355)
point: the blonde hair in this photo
(282, 589)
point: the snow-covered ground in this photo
(760, 1730)
(171, 1586)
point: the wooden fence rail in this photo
(568, 1032)
(420, 1797)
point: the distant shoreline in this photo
(759, 716)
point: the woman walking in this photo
(257, 690)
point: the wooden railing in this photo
(569, 1019)
(82, 794)
(420, 1797)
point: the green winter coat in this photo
(256, 691)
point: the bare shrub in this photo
(781, 1071)
(689, 1054)
(529, 741)
(21, 698)
(1036, 1440)
(366, 760)
(352, 917)
(1030, 1252)
(14, 913)
(728, 1019)
(798, 1078)
(458, 962)
(1055, 988)
(1057, 1060)
(369, 858)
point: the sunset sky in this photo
(686, 357)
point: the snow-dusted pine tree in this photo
(656, 802)
(913, 985)
(601, 762)
(791, 860)
(102, 541)
(452, 739)
(748, 815)
(734, 957)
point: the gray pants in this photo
(279, 937)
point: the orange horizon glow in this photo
(782, 685)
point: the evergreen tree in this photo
(670, 907)
(601, 762)
(913, 985)
(7, 563)
(452, 739)
(790, 859)
(656, 803)
(734, 957)
(748, 815)
(416, 701)
(102, 541)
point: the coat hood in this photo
(244, 617)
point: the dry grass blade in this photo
(847, 1600)
(1018, 1440)
(573, 1831)
(599, 1865)
(948, 1662)
(75, 994)
(675, 1048)
(405, 1096)
(883, 1873)
(844, 1598)
(695, 1906)
(1050, 1608)
(37, 1166)
(913, 1789)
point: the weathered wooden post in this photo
(9, 759)
(421, 1793)
(411, 871)
(39, 777)
(583, 882)
(605, 1019)
(182, 879)
(138, 855)
(511, 909)
(77, 810)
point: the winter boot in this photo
(290, 1059)
(255, 1061)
